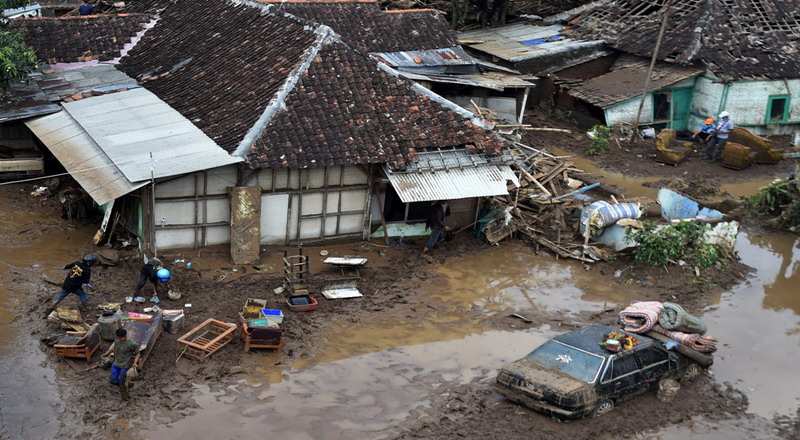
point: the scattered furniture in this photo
(761, 147)
(737, 156)
(145, 333)
(207, 338)
(668, 150)
(79, 345)
(296, 272)
(261, 337)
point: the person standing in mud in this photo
(436, 224)
(150, 272)
(80, 273)
(126, 355)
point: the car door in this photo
(625, 376)
(654, 363)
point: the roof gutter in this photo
(434, 97)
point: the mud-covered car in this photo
(572, 376)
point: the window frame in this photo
(785, 117)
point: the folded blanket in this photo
(640, 317)
(673, 317)
(703, 344)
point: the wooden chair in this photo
(256, 337)
(668, 150)
(79, 346)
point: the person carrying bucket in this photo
(156, 274)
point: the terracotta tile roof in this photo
(345, 110)
(220, 65)
(736, 39)
(290, 94)
(625, 81)
(73, 39)
(366, 28)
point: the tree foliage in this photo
(17, 59)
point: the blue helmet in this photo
(163, 275)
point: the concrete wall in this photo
(626, 111)
(747, 103)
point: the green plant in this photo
(780, 199)
(601, 135)
(17, 60)
(661, 245)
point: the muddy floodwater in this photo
(366, 377)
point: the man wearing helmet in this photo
(80, 273)
(716, 146)
(153, 272)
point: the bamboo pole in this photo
(668, 6)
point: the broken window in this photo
(662, 105)
(777, 109)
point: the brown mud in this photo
(412, 359)
(637, 160)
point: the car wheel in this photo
(692, 371)
(603, 408)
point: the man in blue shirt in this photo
(705, 131)
(86, 9)
(721, 132)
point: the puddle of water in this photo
(350, 398)
(759, 325)
(512, 276)
(701, 429)
(34, 243)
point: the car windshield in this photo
(575, 363)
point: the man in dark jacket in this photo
(80, 273)
(86, 9)
(149, 272)
(435, 223)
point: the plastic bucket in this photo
(667, 389)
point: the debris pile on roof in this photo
(80, 39)
(736, 39)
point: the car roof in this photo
(588, 338)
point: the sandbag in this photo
(673, 317)
(600, 214)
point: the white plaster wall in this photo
(626, 111)
(747, 103)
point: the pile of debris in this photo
(546, 206)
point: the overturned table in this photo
(207, 338)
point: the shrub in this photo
(600, 140)
(681, 241)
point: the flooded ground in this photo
(378, 375)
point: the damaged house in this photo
(421, 46)
(742, 56)
(252, 126)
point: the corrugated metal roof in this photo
(82, 157)
(450, 175)
(494, 81)
(519, 42)
(128, 126)
(457, 183)
(449, 56)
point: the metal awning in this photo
(450, 175)
(82, 157)
(105, 142)
(494, 81)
